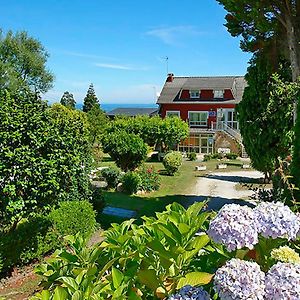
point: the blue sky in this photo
(120, 46)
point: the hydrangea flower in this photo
(275, 220)
(234, 227)
(189, 292)
(283, 282)
(286, 254)
(239, 279)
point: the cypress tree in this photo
(90, 99)
(68, 100)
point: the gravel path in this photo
(219, 188)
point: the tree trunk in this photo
(293, 45)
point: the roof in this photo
(131, 112)
(171, 90)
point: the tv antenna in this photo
(167, 63)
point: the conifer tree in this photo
(90, 99)
(68, 100)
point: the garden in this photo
(52, 158)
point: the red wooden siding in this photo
(184, 109)
(185, 94)
(204, 95)
(207, 94)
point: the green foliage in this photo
(23, 63)
(266, 128)
(44, 156)
(97, 123)
(111, 176)
(32, 239)
(153, 130)
(133, 262)
(98, 200)
(192, 156)
(90, 100)
(150, 180)
(131, 182)
(231, 156)
(68, 100)
(172, 162)
(128, 150)
(72, 217)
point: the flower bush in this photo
(150, 180)
(276, 220)
(234, 227)
(283, 282)
(285, 254)
(189, 292)
(240, 279)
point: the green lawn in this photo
(173, 189)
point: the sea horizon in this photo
(110, 106)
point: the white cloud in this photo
(170, 35)
(120, 67)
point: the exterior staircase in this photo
(231, 132)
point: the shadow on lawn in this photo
(236, 179)
(149, 206)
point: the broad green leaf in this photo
(60, 293)
(117, 277)
(45, 295)
(149, 279)
(183, 228)
(194, 279)
(78, 295)
(69, 282)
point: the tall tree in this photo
(259, 21)
(23, 63)
(266, 114)
(68, 100)
(90, 99)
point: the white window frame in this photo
(198, 123)
(217, 94)
(173, 112)
(194, 94)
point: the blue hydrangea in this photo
(276, 220)
(234, 227)
(283, 282)
(190, 293)
(239, 279)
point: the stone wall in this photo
(223, 140)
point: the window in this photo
(198, 119)
(218, 94)
(172, 113)
(194, 94)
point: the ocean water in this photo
(110, 106)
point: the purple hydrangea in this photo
(189, 292)
(275, 220)
(234, 227)
(283, 282)
(239, 279)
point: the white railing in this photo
(227, 128)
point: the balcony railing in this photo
(233, 131)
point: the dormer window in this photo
(194, 93)
(218, 94)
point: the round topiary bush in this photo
(172, 162)
(192, 156)
(72, 217)
(131, 182)
(111, 176)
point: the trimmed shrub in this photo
(207, 157)
(30, 240)
(231, 156)
(192, 156)
(127, 149)
(150, 180)
(98, 200)
(172, 162)
(72, 217)
(111, 176)
(131, 182)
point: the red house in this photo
(208, 105)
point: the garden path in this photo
(220, 188)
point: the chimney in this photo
(170, 77)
